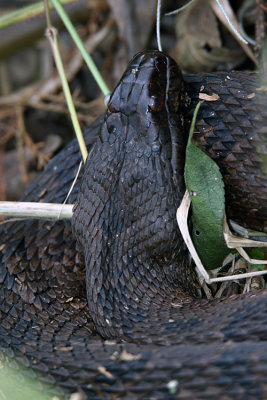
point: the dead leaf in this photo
(207, 97)
(220, 15)
(135, 20)
(199, 44)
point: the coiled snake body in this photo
(115, 314)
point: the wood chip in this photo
(104, 371)
(62, 348)
(125, 356)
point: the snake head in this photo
(149, 95)
(151, 87)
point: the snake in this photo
(108, 305)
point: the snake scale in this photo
(115, 314)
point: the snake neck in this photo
(125, 220)
(128, 286)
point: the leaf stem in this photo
(193, 123)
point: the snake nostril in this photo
(156, 147)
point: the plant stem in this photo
(52, 37)
(35, 210)
(87, 58)
(24, 13)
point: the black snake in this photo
(129, 325)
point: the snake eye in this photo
(156, 103)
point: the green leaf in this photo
(206, 188)
(19, 383)
(257, 254)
